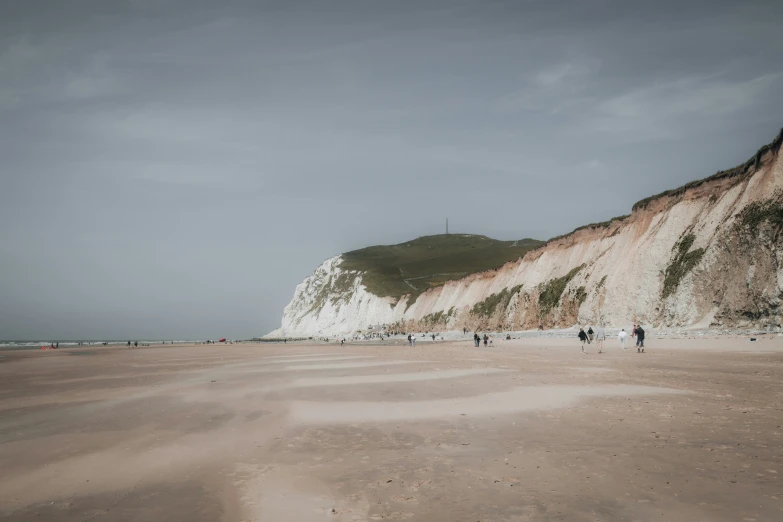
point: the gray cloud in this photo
(173, 169)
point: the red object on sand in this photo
(222, 340)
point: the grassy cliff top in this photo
(739, 172)
(415, 266)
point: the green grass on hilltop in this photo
(430, 261)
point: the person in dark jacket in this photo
(639, 339)
(486, 338)
(590, 335)
(476, 339)
(583, 338)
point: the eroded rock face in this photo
(709, 254)
(333, 301)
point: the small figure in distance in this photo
(600, 337)
(486, 338)
(135, 344)
(621, 336)
(590, 335)
(475, 339)
(583, 338)
(490, 340)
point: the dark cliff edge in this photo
(736, 175)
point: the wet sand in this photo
(527, 430)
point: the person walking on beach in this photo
(600, 337)
(590, 335)
(621, 336)
(410, 340)
(413, 341)
(490, 340)
(486, 338)
(583, 338)
(135, 344)
(476, 339)
(639, 339)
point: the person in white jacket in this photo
(600, 337)
(622, 335)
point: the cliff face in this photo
(707, 254)
(334, 301)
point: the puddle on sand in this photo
(303, 355)
(590, 369)
(520, 399)
(294, 505)
(341, 366)
(323, 366)
(390, 377)
(272, 494)
(314, 359)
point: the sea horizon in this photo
(21, 344)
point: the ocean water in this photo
(36, 345)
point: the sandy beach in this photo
(527, 430)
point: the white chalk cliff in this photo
(707, 254)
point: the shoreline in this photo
(457, 335)
(565, 340)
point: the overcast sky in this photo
(174, 168)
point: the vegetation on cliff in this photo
(760, 212)
(439, 317)
(552, 290)
(592, 226)
(500, 300)
(683, 262)
(416, 266)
